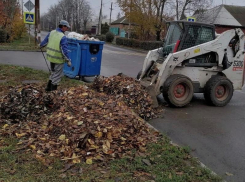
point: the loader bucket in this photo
(151, 91)
(149, 88)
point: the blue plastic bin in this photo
(85, 57)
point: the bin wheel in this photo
(88, 79)
(81, 78)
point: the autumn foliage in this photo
(146, 17)
(11, 19)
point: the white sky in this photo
(95, 4)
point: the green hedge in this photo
(146, 45)
(100, 37)
(3, 36)
(109, 36)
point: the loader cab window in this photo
(197, 35)
(191, 37)
(173, 35)
(205, 35)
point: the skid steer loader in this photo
(194, 59)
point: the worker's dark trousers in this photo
(56, 73)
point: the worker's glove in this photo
(39, 46)
(68, 63)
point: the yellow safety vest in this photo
(54, 54)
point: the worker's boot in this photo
(53, 87)
(48, 88)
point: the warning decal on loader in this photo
(238, 66)
(197, 50)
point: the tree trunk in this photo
(177, 9)
(184, 8)
(85, 27)
(158, 33)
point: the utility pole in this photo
(22, 7)
(100, 20)
(110, 12)
(129, 24)
(37, 21)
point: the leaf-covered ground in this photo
(75, 124)
(79, 134)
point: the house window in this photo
(114, 30)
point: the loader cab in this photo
(183, 35)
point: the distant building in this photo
(224, 17)
(120, 27)
(93, 26)
(107, 21)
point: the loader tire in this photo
(218, 91)
(178, 90)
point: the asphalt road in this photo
(114, 60)
(215, 135)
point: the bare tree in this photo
(86, 15)
(160, 16)
(76, 12)
(118, 15)
(188, 7)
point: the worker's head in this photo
(64, 25)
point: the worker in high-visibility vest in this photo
(57, 53)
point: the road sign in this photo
(191, 19)
(29, 5)
(29, 18)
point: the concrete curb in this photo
(21, 50)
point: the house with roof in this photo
(92, 27)
(121, 26)
(224, 17)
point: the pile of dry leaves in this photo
(130, 91)
(26, 103)
(77, 124)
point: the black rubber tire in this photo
(139, 74)
(211, 94)
(169, 90)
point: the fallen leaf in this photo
(229, 174)
(146, 161)
(20, 135)
(180, 173)
(62, 176)
(62, 137)
(89, 161)
(67, 167)
(76, 159)
(79, 123)
(170, 176)
(33, 147)
(99, 134)
(5, 126)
